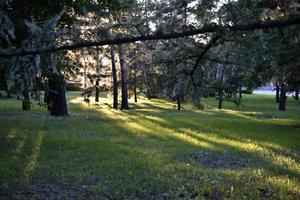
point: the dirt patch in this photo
(225, 160)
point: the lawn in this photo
(151, 152)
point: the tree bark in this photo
(221, 98)
(277, 92)
(115, 79)
(282, 98)
(97, 91)
(124, 105)
(57, 103)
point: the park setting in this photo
(149, 99)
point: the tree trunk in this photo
(8, 92)
(277, 92)
(26, 101)
(97, 91)
(135, 94)
(297, 94)
(178, 103)
(221, 98)
(115, 78)
(240, 91)
(57, 104)
(235, 99)
(124, 105)
(282, 97)
(234, 95)
(46, 97)
(134, 89)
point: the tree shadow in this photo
(137, 153)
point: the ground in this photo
(152, 151)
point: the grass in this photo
(151, 152)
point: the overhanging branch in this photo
(122, 40)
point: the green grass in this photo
(151, 152)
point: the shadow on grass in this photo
(133, 154)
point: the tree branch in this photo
(211, 28)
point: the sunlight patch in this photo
(32, 160)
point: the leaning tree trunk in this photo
(26, 101)
(115, 78)
(221, 98)
(124, 105)
(282, 97)
(97, 91)
(297, 94)
(277, 92)
(240, 92)
(57, 103)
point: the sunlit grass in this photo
(146, 152)
(32, 160)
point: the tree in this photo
(124, 86)
(190, 58)
(42, 35)
(115, 78)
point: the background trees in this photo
(215, 50)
